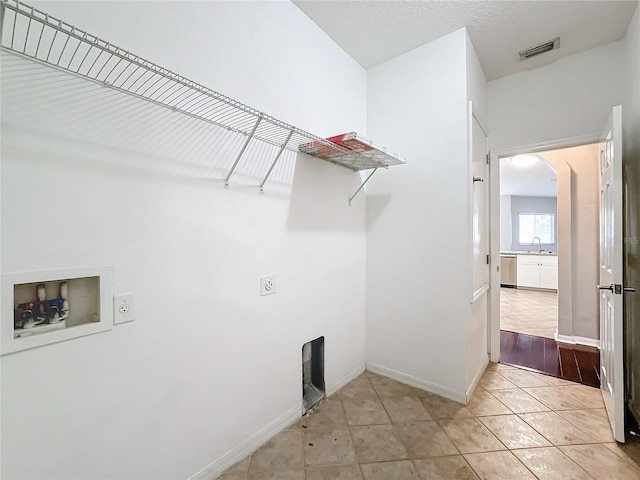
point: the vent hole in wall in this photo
(313, 389)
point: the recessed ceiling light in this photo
(523, 161)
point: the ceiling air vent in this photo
(538, 49)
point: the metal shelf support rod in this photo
(74, 52)
(244, 147)
(15, 19)
(284, 145)
(363, 184)
(26, 37)
(61, 51)
(2, 21)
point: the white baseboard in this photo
(418, 383)
(476, 379)
(254, 442)
(346, 378)
(250, 445)
(590, 342)
(575, 340)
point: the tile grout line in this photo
(553, 445)
(393, 428)
(578, 449)
(349, 427)
(413, 460)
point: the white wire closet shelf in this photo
(31, 33)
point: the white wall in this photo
(90, 177)
(476, 82)
(418, 233)
(505, 223)
(245, 51)
(568, 98)
(578, 209)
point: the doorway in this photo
(528, 246)
(550, 304)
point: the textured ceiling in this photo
(375, 31)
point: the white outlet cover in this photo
(267, 285)
(123, 308)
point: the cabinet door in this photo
(550, 260)
(549, 272)
(528, 271)
(548, 276)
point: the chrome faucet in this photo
(539, 243)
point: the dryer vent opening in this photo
(313, 390)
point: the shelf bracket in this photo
(363, 184)
(242, 150)
(282, 147)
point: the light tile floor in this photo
(529, 311)
(519, 425)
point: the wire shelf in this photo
(362, 154)
(31, 33)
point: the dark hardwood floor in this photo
(571, 362)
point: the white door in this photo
(477, 346)
(610, 288)
(480, 209)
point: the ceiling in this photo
(374, 31)
(537, 180)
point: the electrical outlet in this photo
(267, 285)
(123, 308)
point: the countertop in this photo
(530, 252)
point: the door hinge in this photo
(488, 259)
(488, 158)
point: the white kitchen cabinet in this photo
(538, 271)
(549, 273)
(528, 273)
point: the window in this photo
(541, 225)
